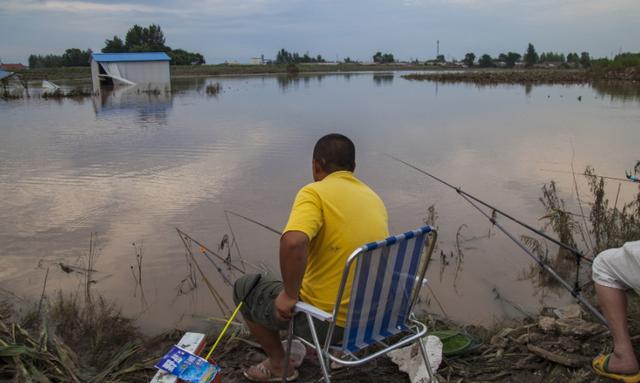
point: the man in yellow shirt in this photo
(329, 219)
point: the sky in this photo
(237, 30)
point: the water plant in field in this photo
(213, 89)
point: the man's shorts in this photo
(619, 268)
(259, 307)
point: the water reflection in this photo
(383, 79)
(294, 80)
(618, 91)
(148, 107)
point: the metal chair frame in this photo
(414, 331)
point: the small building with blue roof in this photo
(147, 70)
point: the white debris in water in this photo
(409, 359)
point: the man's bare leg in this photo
(270, 342)
(614, 306)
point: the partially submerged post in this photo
(148, 70)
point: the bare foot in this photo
(623, 363)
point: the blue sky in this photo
(240, 29)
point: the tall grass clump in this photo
(602, 223)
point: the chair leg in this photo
(287, 354)
(423, 351)
(321, 359)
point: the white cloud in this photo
(190, 7)
(75, 7)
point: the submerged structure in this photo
(148, 70)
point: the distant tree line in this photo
(530, 58)
(620, 61)
(381, 58)
(150, 39)
(137, 39)
(286, 57)
(70, 57)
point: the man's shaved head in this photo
(335, 152)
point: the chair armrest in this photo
(313, 311)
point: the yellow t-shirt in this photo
(338, 214)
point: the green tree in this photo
(154, 38)
(552, 57)
(115, 45)
(134, 37)
(381, 58)
(440, 58)
(531, 57)
(510, 59)
(573, 58)
(71, 57)
(150, 39)
(585, 59)
(485, 61)
(147, 39)
(469, 59)
(76, 57)
(285, 57)
(182, 57)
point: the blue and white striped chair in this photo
(386, 284)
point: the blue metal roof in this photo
(4, 74)
(120, 57)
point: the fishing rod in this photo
(630, 178)
(271, 229)
(459, 190)
(575, 291)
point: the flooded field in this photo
(133, 166)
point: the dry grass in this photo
(71, 340)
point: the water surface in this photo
(134, 166)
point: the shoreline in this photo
(189, 71)
(482, 76)
(553, 345)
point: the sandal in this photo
(600, 366)
(261, 373)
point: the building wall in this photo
(153, 73)
(94, 77)
(146, 74)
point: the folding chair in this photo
(387, 279)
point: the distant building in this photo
(258, 60)
(12, 67)
(549, 64)
(149, 70)
(5, 75)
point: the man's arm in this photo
(293, 262)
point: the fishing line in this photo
(271, 229)
(496, 210)
(585, 174)
(575, 291)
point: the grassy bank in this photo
(67, 340)
(531, 76)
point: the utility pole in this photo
(437, 48)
